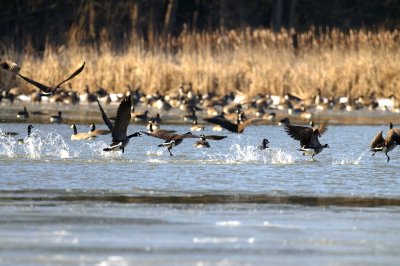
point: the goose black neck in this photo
(74, 129)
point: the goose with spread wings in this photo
(120, 139)
(385, 145)
(203, 143)
(47, 90)
(232, 127)
(308, 137)
(171, 139)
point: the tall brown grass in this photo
(250, 61)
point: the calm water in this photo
(67, 202)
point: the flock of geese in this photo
(308, 136)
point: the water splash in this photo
(349, 160)
(7, 146)
(41, 144)
(251, 154)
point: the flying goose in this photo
(47, 91)
(56, 118)
(22, 141)
(232, 127)
(203, 143)
(308, 137)
(119, 137)
(264, 145)
(80, 136)
(379, 144)
(171, 139)
(97, 132)
(23, 114)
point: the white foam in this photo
(7, 146)
(351, 161)
(228, 223)
(251, 154)
(214, 240)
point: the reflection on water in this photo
(69, 203)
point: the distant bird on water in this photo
(380, 144)
(120, 139)
(97, 132)
(22, 141)
(47, 91)
(264, 145)
(308, 137)
(80, 136)
(23, 114)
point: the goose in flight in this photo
(232, 127)
(171, 139)
(203, 143)
(47, 90)
(380, 144)
(120, 139)
(308, 137)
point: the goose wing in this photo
(14, 68)
(248, 122)
(106, 120)
(79, 70)
(122, 119)
(303, 134)
(323, 127)
(223, 122)
(185, 136)
(214, 137)
(378, 141)
(162, 134)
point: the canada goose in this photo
(97, 132)
(56, 118)
(379, 144)
(23, 114)
(308, 137)
(171, 139)
(156, 119)
(119, 138)
(264, 145)
(203, 143)
(196, 127)
(22, 141)
(235, 128)
(48, 91)
(80, 136)
(141, 117)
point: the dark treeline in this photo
(37, 22)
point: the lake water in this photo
(67, 202)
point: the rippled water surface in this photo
(69, 203)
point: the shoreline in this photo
(89, 113)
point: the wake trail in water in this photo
(251, 154)
(349, 160)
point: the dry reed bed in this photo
(251, 61)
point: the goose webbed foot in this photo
(170, 153)
(388, 158)
(123, 150)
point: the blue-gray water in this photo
(67, 202)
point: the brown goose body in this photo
(385, 145)
(97, 132)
